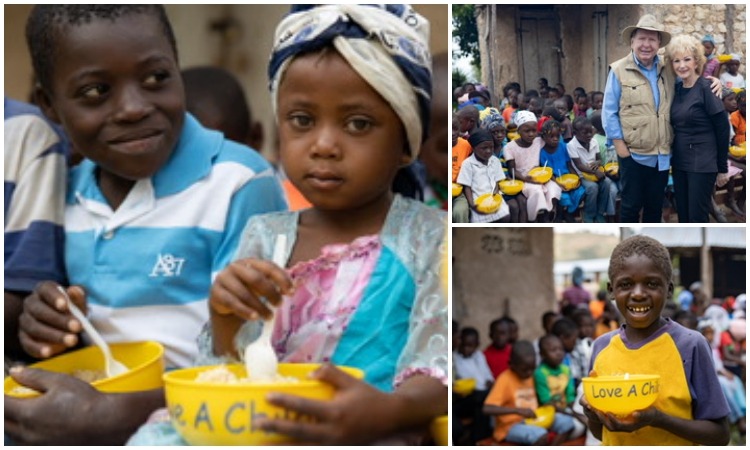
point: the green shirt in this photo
(554, 385)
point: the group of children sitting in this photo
(545, 127)
(514, 377)
(547, 371)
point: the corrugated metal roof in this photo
(726, 237)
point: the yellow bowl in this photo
(464, 386)
(591, 176)
(541, 174)
(457, 189)
(724, 58)
(439, 430)
(737, 151)
(621, 396)
(612, 168)
(144, 359)
(545, 415)
(488, 204)
(511, 187)
(216, 413)
(568, 181)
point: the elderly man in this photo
(635, 113)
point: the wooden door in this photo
(540, 45)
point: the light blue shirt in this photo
(147, 266)
(611, 111)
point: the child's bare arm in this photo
(236, 296)
(701, 432)
(469, 196)
(360, 413)
(492, 410)
(97, 418)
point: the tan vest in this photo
(645, 130)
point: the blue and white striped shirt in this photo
(148, 266)
(35, 173)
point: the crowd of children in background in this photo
(549, 370)
(568, 128)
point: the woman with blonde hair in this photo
(701, 132)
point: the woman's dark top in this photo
(701, 129)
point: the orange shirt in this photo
(738, 122)
(597, 308)
(461, 151)
(296, 200)
(509, 391)
(507, 113)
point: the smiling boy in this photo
(691, 408)
(154, 210)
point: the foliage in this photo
(465, 32)
(458, 78)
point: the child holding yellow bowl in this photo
(690, 408)
(513, 398)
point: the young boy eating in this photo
(691, 408)
(513, 398)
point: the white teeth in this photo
(640, 309)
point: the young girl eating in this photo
(555, 155)
(360, 285)
(522, 155)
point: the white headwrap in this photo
(386, 45)
(523, 117)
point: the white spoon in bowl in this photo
(261, 362)
(111, 365)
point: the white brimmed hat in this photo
(647, 22)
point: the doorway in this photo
(541, 47)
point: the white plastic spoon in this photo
(111, 365)
(261, 362)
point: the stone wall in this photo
(727, 24)
(502, 270)
(499, 42)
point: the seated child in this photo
(513, 399)
(480, 174)
(691, 408)
(731, 384)
(577, 353)
(732, 347)
(555, 155)
(597, 98)
(731, 78)
(735, 165)
(497, 352)
(469, 362)
(460, 151)
(217, 99)
(737, 119)
(495, 125)
(360, 282)
(599, 205)
(522, 155)
(582, 106)
(35, 174)
(554, 384)
(548, 319)
(586, 325)
(564, 108)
